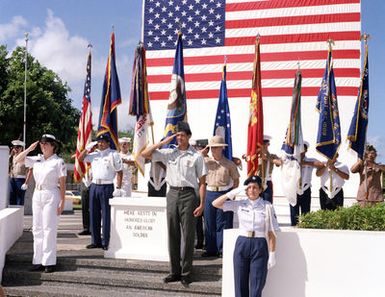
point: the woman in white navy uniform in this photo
(254, 251)
(50, 174)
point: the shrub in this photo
(369, 218)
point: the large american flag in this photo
(291, 31)
(85, 125)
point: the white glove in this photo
(117, 193)
(24, 187)
(272, 261)
(235, 192)
(91, 145)
(123, 193)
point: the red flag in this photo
(85, 125)
(255, 127)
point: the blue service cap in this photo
(253, 179)
(104, 137)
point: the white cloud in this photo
(57, 50)
(12, 29)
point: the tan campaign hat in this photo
(217, 141)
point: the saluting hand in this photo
(33, 146)
(167, 140)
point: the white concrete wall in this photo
(11, 228)
(4, 192)
(319, 263)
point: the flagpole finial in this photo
(26, 36)
(113, 28)
(298, 66)
(225, 59)
(330, 43)
(365, 37)
(258, 37)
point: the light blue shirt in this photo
(184, 168)
(104, 164)
(251, 214)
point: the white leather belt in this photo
(102, 181)
(251, 233)
(43, 188)
(218, 189)
(18, 176)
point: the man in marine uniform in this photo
(266, 162)
(18, 173)
(222, 176)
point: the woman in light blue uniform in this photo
(254, 251)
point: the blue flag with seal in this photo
(329, 130)
(222, 124)
(108, 117)
(177, 107)
(359, 124)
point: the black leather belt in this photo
(182, 188)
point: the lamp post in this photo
(25, 88)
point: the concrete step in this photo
(59, 289)
(94, 260)
(120, 280)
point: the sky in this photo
(60, 31)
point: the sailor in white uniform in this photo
(48, 199)
(333, 175)
(128, 166)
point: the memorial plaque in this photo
(138, 229)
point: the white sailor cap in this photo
(266, 138)
(125, 140)
(18, 143)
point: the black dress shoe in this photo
(171, 278)
(185, 281)
(37, 267)
(93, 246)
(84, 232)
(104, 247)
(220, 255)
(199, 246)
(207, 254)
(49, 269)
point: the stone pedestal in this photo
(138, 229)
(4, 182)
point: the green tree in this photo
(49, 109)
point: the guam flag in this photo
(329, 130)
(140, 106)
(359, 124)
(177, 107)
(108, 117)
(222, 124)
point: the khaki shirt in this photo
(18, 170)
(220, 173)
(184, 168)
(372, 183)
(268, 166)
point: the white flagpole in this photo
(25, 88)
